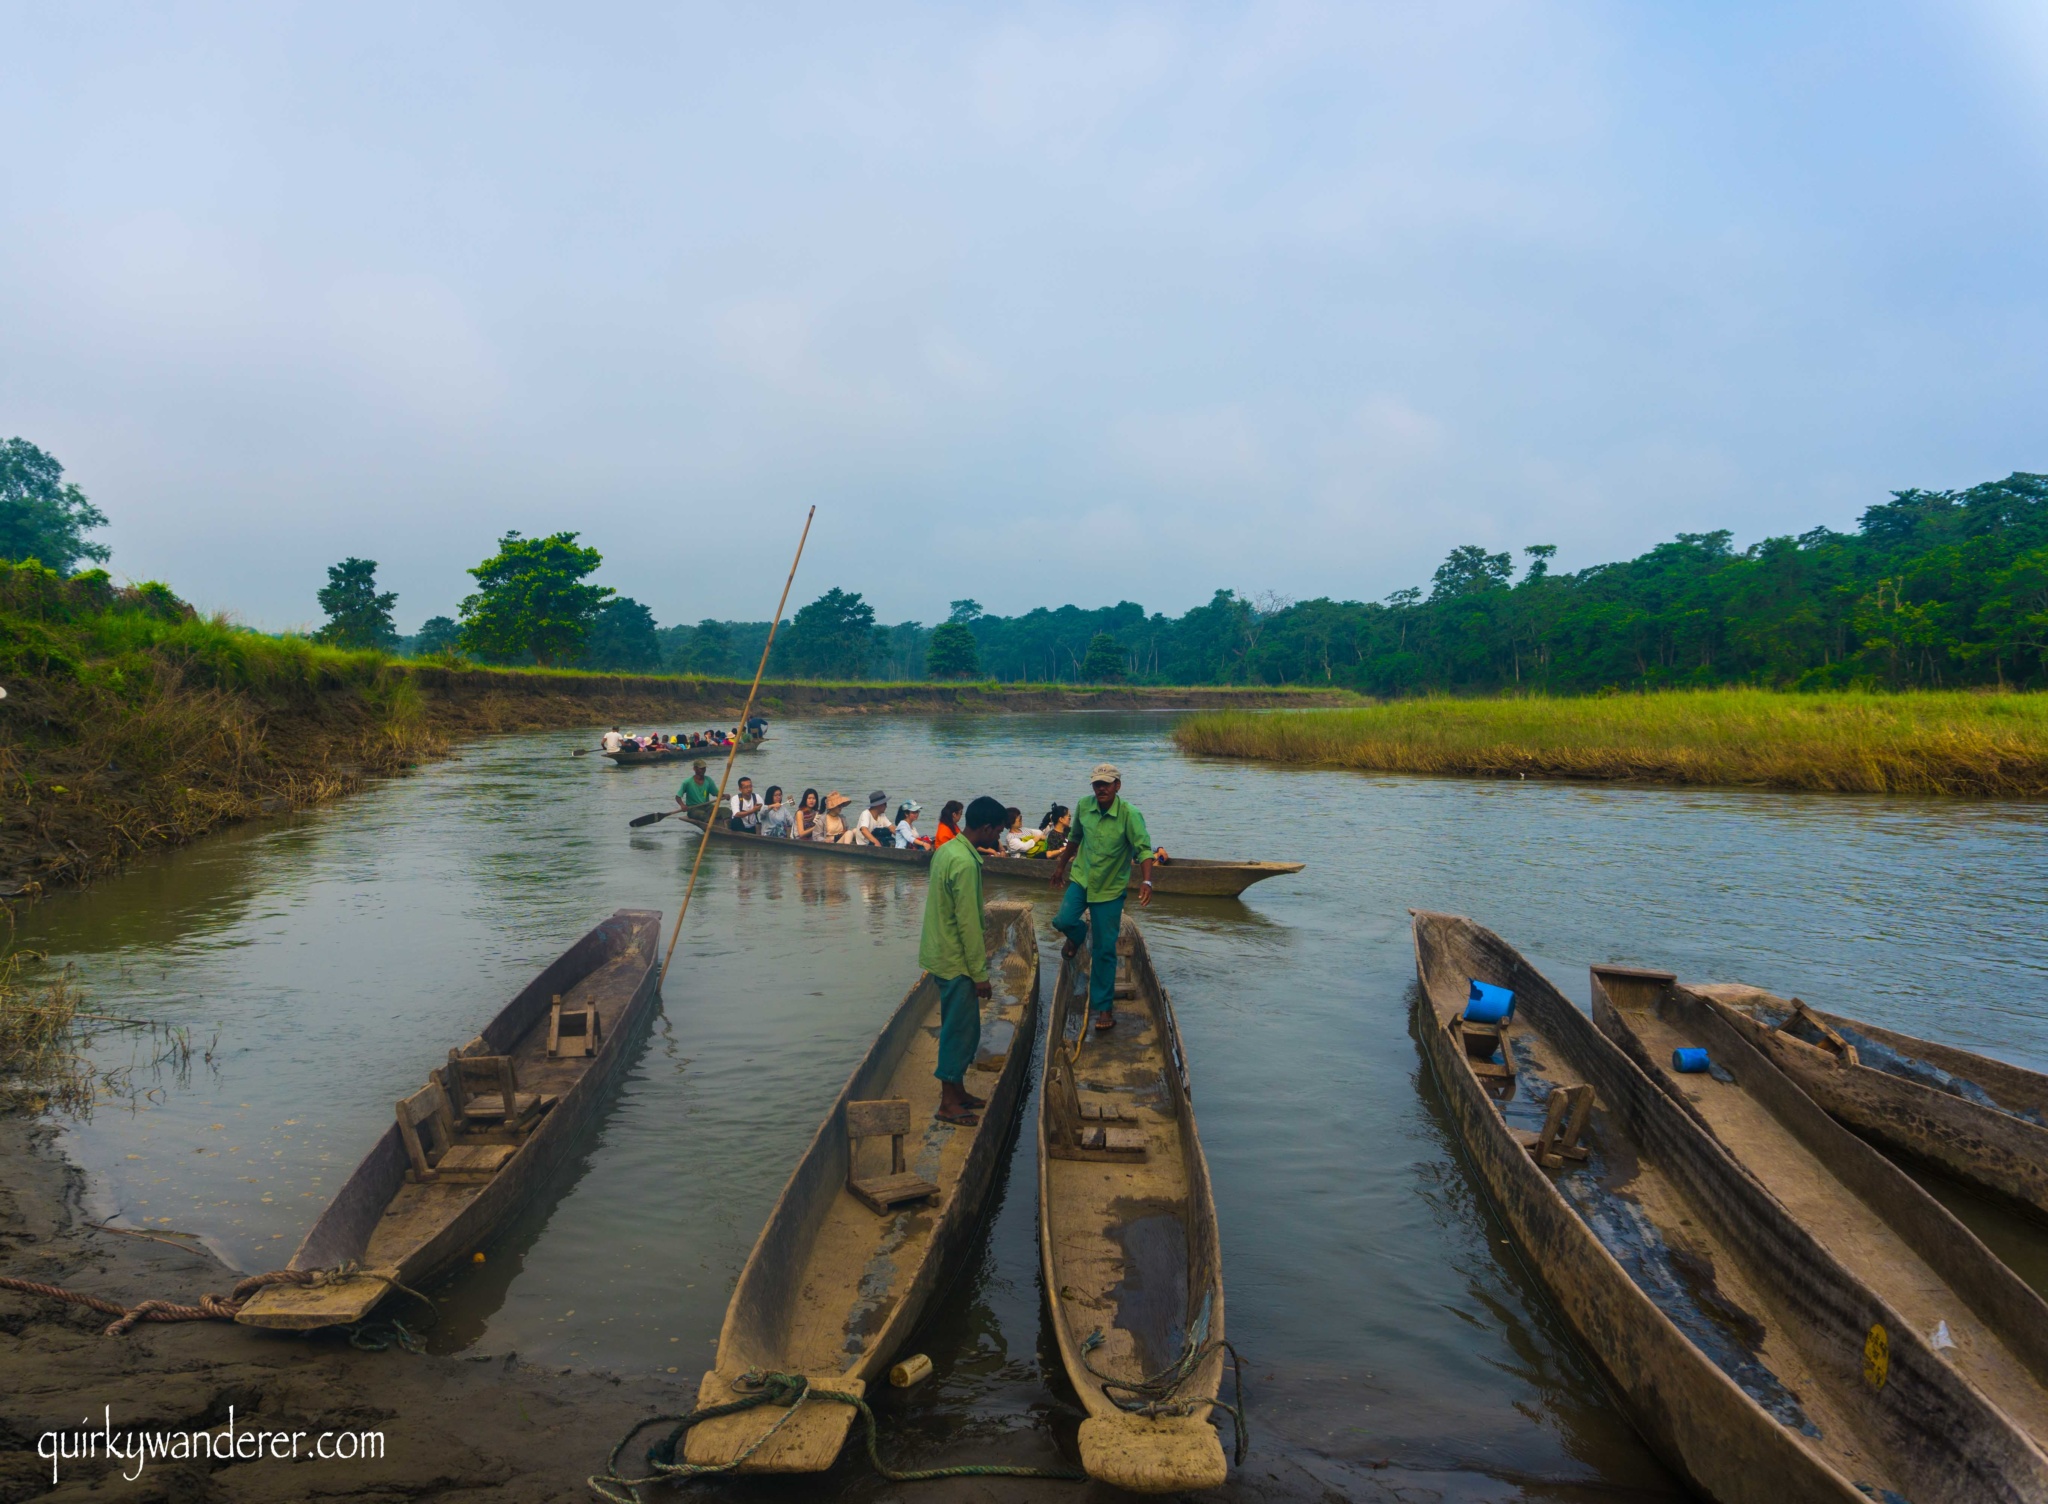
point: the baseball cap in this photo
(1105, 772)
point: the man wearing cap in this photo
(1108, 839)
(698, 791)
(954, 949)
(873, 828)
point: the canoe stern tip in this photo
(1153, 1456)
(306, 1308)
(807, 1442)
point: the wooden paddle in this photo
(661, 814)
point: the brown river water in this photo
(1395, 1344)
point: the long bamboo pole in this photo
(704, 836)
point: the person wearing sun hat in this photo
(954, 949)
(1108, 839)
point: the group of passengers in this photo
(710, 739)
(812, 817)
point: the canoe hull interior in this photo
(1746, 1354)
(1877, 1221)
(833, 1288)
(1980, 1120)
(393, 1231)
(1133, 1265)
(1188, 877)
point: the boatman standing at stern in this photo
(697, 790)
(954, 950)
(1108, 839)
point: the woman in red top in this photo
(949, 823)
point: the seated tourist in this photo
(777, 818)
(949, 822)
(832, 824)
(907, 836)
(807, 812)
(746, 808)
(1016, 840)
(874, 827)
(1054, 827)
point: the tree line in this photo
(1933, 589)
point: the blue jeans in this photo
(959, 1028)
(1107, 915)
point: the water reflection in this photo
(1394, 1342)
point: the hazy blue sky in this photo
(1038, 304)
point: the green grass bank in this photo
(1975, 744)
(131, 722)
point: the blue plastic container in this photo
(1488, 1004)
(1690, 1060)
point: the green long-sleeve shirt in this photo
(1109, 842)
(954, 943)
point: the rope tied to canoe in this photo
(792, 1391)
(1154, 1395)
(210, 1307)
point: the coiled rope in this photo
(210, 1307)
(1155, 1395)
(793, 1391)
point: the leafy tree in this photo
(1540, 555)
(358, 613)
(437, 634)
(1469, 570)
(1105, 661)
(965, 612)
(622, 638)
(43, 516)
(531, 599)
(951, 653)
(831, 638)
(709, 650)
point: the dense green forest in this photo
(1934, 589)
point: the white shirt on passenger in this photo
(613, 741)
(745, 807)
(878, 826)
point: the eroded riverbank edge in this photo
(100, 787)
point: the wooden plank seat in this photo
(483, 1091)
(1480, 1042)
(1087, 1130)
(872, 1120)
(573, 1032)
(1564, 1125)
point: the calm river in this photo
(1396, 1346)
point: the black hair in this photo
(773, 790)
(1011, 816)
(984, 811)
(1051, 815)
(948, 810)
(810, 797)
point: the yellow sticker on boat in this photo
(1877, 1357)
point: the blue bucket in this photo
(1689, 1060)
(1489, 1004)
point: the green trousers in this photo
(1106, 922)
(959, 1028)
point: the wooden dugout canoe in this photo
(635, 757)
(1127, 1228)
(397, 1228)
(1183, 876)
(1981, 1120)
(1744, 1351)
(833, 1287)
(1870, 1214)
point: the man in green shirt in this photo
(1108, 839)
(698, 790)
(954, 949)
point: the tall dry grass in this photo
(41, 1064)
(1935, 743)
